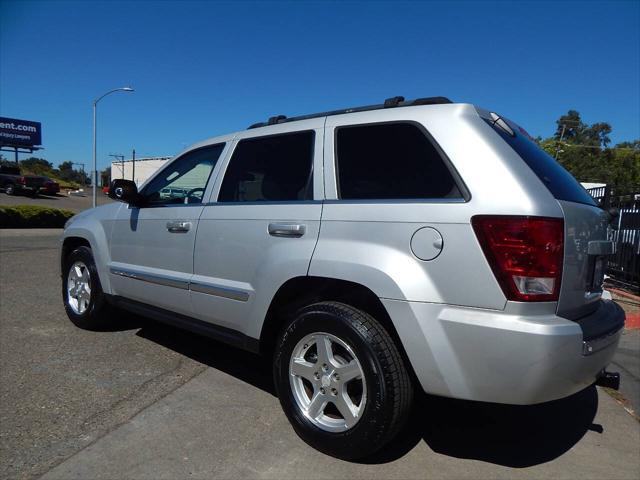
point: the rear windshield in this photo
(561, 184)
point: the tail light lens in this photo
(525, 254)
(22, 181)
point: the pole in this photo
(133, 166)
(95, 162)
(564, 127)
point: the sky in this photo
(201, 69)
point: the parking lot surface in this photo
(148, 401)
(61, 200)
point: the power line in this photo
(598, 147)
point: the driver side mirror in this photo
(124, 191)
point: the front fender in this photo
(94, 226)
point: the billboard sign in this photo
(19, 133)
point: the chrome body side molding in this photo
(169, 281)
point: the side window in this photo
(273, 168)
(390, 161)
(185, 179)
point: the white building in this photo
(144, 168)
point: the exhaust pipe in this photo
(609, 380)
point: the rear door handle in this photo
(287, 229)
(178, 226)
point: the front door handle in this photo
(287, 229)
(178, 226)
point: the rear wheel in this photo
(84, 301)
(10, 189)
(341, 380)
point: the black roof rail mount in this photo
(392, 102)
(431, 101)
(276, 119)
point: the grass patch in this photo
(33, 216)
(63, 183)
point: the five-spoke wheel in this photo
(341, 380)
(327, 382)
(84, 301)
(78, 287)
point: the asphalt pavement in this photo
(61, 200)
(144, 400)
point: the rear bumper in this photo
(501, 357)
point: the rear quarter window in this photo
(561, 184)
(391, 161)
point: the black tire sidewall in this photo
(92, 318)
(9, 189)
(364, 437)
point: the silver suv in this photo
(365, 252)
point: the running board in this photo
(216, 332)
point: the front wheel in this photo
(10, 189)
(341, 380)
(84, 301)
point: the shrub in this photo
(33, 216)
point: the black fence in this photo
(624, 266)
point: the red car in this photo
(105, 189)
(50, 187)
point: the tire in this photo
(87, 310)
(10, 189)
(356, 340)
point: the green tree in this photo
(584, 150)
(68, 173)
(37, 166)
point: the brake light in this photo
(22, 181)
(525, 254)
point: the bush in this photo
(33, 216)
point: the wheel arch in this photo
(298, 292)
(69, 244)
(76, 237)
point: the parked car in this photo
(365, 253)
(50, 187)
(105, 189)
(13, 182)
(170, 193)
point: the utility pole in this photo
(121, 158)
(84, 177)
(133, 166)
(564, 127)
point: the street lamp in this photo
(94, 180)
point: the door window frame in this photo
(211, 180)
(317, 166)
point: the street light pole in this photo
(94, 179)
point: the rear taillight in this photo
(22, 181)
(525, 254)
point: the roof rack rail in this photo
(392, 102)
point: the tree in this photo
(37, 166)
(68, 173)
(584, 150)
